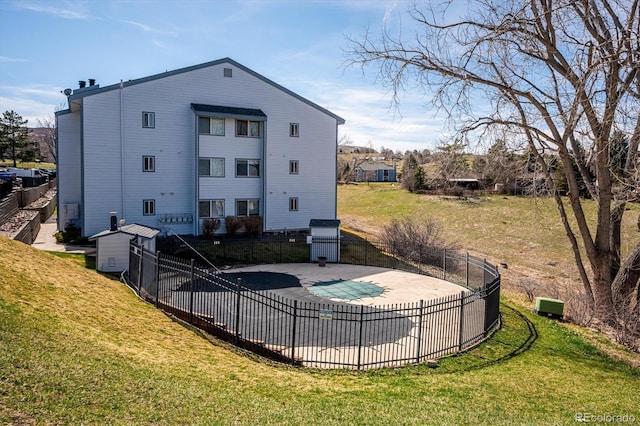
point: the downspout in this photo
(195, 227)
(122, 209)
(264, 176)
(335, 176)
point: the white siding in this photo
(101, 161)
(174, 184)
(69, 173)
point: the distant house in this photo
(171, 150)
(375, 172)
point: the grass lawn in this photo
(79, 348)
(525, 233)
(30, 165)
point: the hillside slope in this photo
(77, 347)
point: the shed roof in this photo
(324, 223)
(133, 229)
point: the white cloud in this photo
(66, 9)
(4, 59)
(29, 109)
(31, 102)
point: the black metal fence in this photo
(326, 335)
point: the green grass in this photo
(79, 348)
(522, 232)
(28, 165)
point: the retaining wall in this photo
(8, 207)
(30, 230)
(47, 210)
(29, 195)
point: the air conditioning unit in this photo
(551, 308)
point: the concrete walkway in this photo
(46, 240)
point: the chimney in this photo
(92, 82)
(82, 84)
(114, 222)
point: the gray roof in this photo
(324, 223)
(134, 229)
(91, 90)
(375, 166)
(227, 111)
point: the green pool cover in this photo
(346, 289)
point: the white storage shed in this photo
(112, 245)
(325, 239)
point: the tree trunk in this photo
(628, 278)
(602, 295)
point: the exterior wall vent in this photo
(228, 72)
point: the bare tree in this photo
(48, 136)
(451, 162)
(564, 75)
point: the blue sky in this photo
(48, 45)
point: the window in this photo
(293, 167)
(148, 163)
(211, 126)
(293, 204)
(247, 168)
(228, 72)
(149, 120)
(247, 207)
(293, 130)
(211, 208)
(211, 167)
(248, 128)
(149, 208)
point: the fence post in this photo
(420, 259)
(157, 287)
(444, 264)
(191, 284)
(293, 331)
(466, 272)
(366, 251)
(360, 335)
(141, 257)
(157, 271)
(419, 341)
(238, 283)
(461, 330)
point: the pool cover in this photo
(346, 289)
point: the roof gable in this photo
(88, 91)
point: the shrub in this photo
(253, 225)
(233, 225)
(416, 239)
(209, 227)
(71, 233)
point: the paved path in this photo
(46, 239)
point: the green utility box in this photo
(551, 308)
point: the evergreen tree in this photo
(14, 136)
